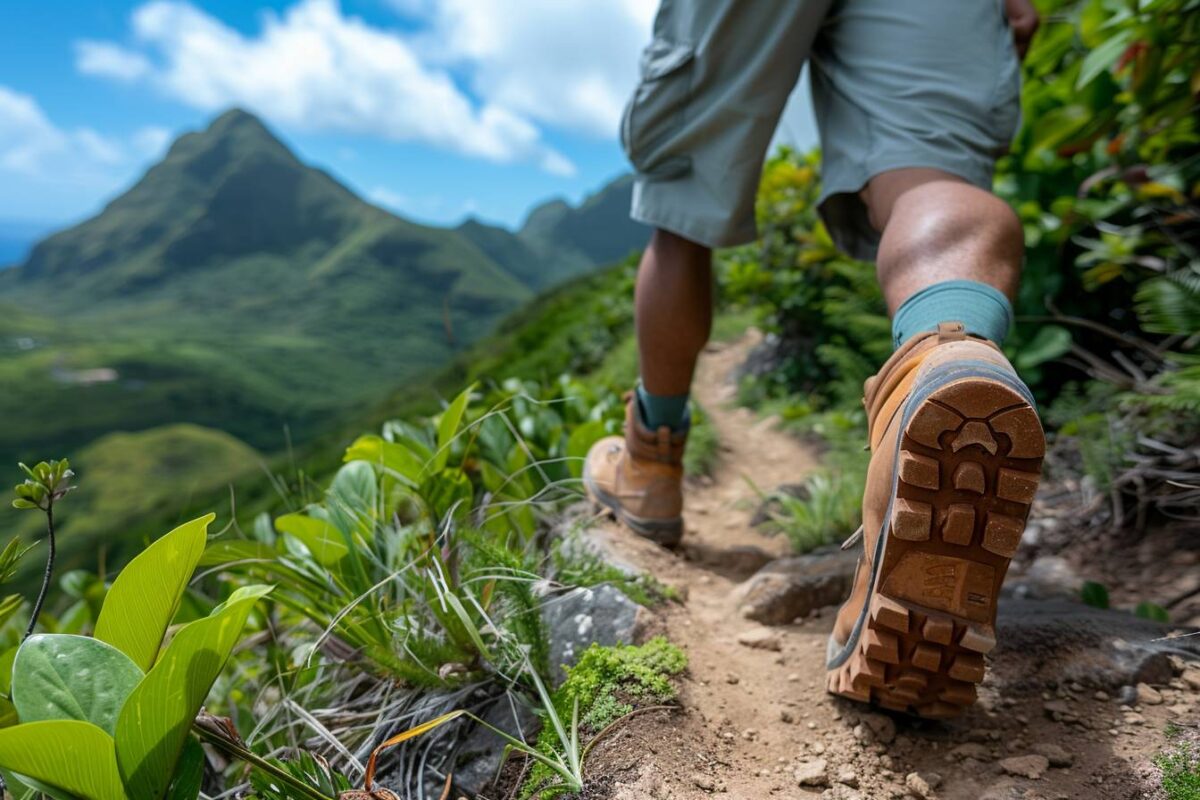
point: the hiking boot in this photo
(639, 477)
(956, 455)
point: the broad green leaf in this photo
(322, 539)
(76, 757)
(1103, 57)
(1050, 342)
(395, 458)
(1058, 126)
(580, 441)
(231, 550)
(154, 724)
(56, 676)
(189, 773)
(1094, 594)
(144, 597)
(448, 427)
(351, 499)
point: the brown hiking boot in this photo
(639, 477)
(956, 456)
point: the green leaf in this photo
(146, 594)
(76, 757)
(448, 427)
(1050, 342)
(351, 499)
(56, 676)
(154, 724)
(1094, 594)
(10, 605)
(580, 441)
(445, 492)
(395, 458)
(8, 714)
(1103, 57)
(231, 550)
(189, 773)
(321, 538)
(6, 662)
(1148, 610)
(1057, 126)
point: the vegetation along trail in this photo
(754, 718)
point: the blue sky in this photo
(437, 109)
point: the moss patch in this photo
(1180, 766)
(607, 683)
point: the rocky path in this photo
(1059, 716)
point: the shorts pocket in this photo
(657, 110)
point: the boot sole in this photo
(968, 463)
(667, 533)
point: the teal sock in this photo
(658, 410)
(983, 310)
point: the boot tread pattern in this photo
(968, 469)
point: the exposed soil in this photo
(754, 717)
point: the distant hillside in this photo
(237, 288)
(16, 239)
(559, 241)
(598, 231)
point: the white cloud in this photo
(151, 141)
(27, 137)
(110, 61)
(567, 63)
(33, 146)
(315, 68)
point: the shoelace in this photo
(854, 538)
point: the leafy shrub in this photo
(122, 703)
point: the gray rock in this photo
(579, 617)
(479, 755)
(1056, 754)
(760, 640)
(1032, 766)
(814, 772)
(883, 727)
(922, 784)
(736, 563)
(793, 587)
(1043, 641)
(1048, 577)
(592, 543)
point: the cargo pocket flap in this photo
(662, 57)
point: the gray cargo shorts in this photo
(926, 83)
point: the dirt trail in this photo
(755, 718)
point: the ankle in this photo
(657, 411)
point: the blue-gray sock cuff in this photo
(658, 410)
(983, 310)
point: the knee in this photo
(945, 218)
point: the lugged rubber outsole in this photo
(968, 465)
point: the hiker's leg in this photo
(673, 308)
(937, 227)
